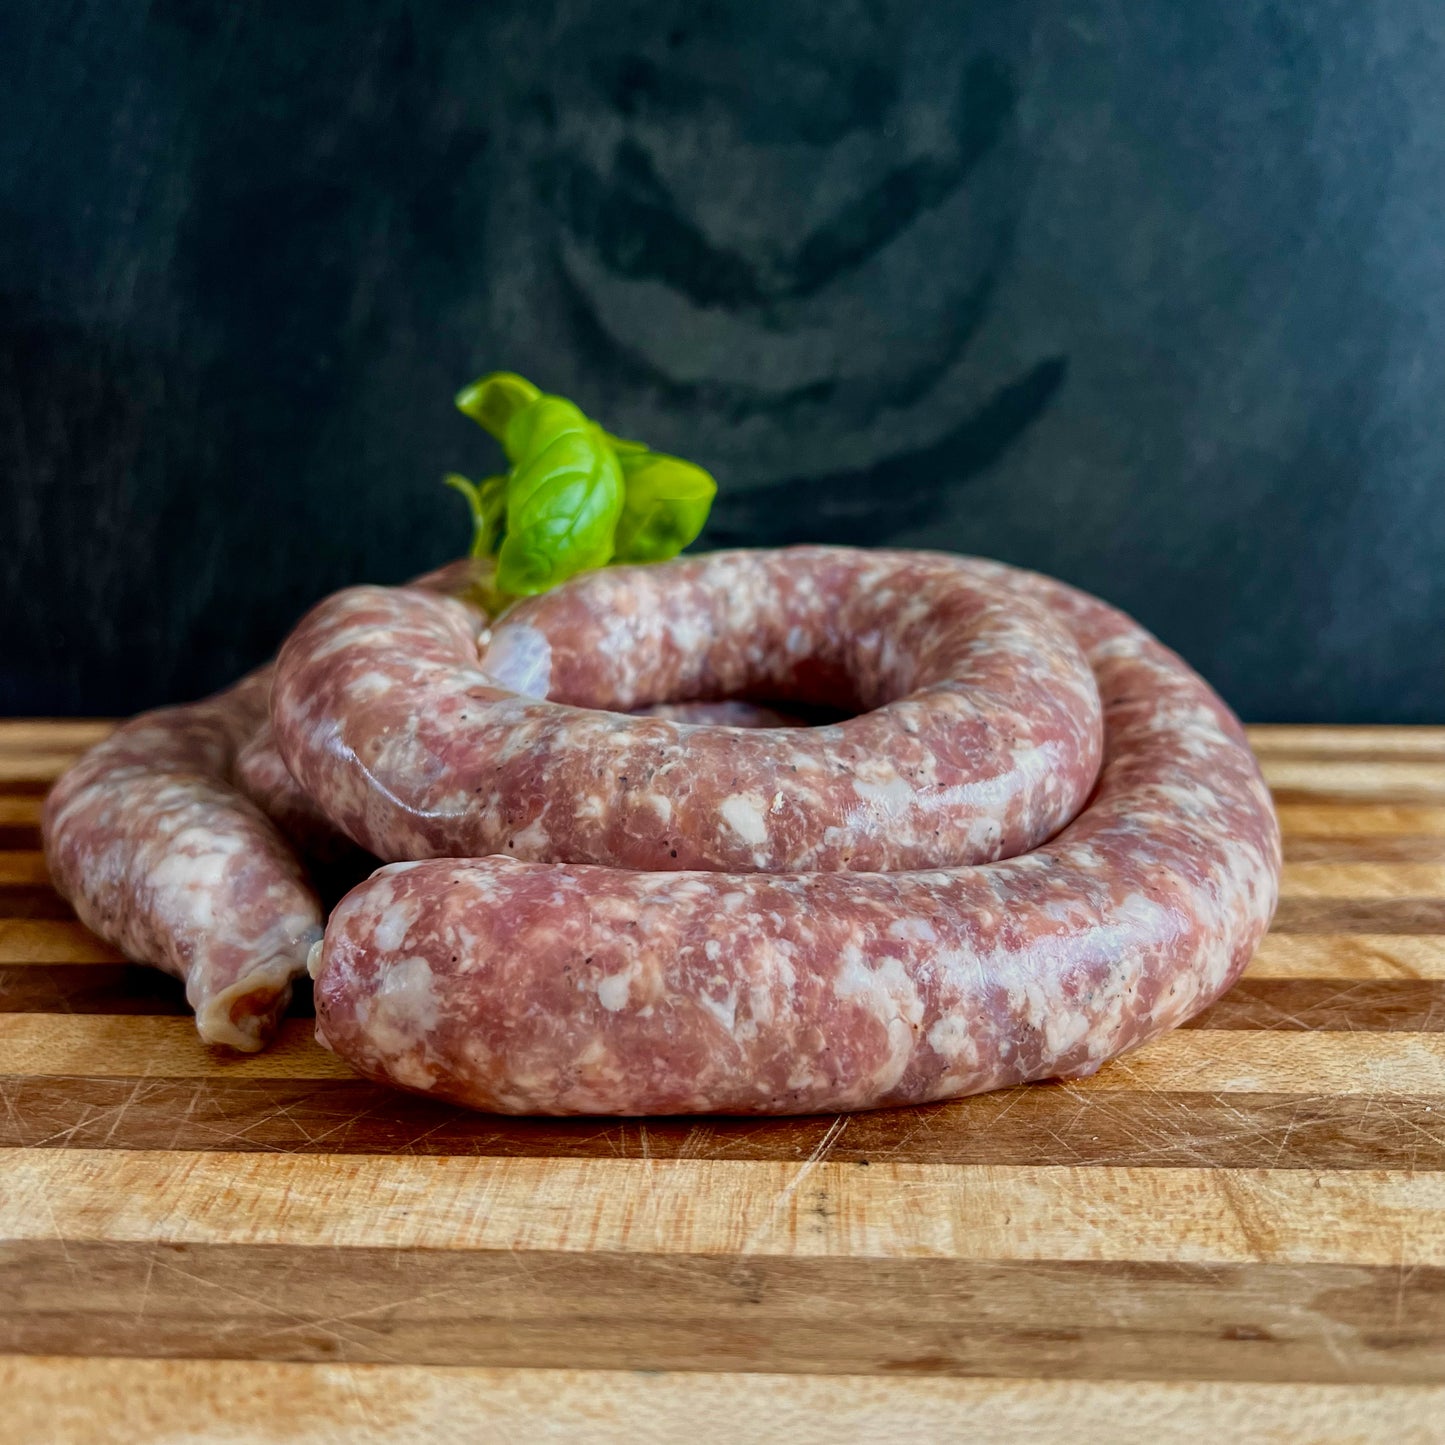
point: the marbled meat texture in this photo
(563, 988)
(262, 775)
(163, 857)
(156, 836)
(978, 732)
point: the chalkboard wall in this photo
(1149, 295)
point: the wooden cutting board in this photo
(1236, 1233)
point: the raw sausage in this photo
(978, 735)
(731, 712)
(559, 988)
(160, 855)
(173, 839)
(262, 775)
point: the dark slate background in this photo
(1150, 296)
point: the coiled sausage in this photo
(978, 735)
(535, 987)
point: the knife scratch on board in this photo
(819, 1153)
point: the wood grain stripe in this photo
(1192, 1060)
(1363, 882)
(1318, 738)
(1358, 1005)
(1346, 956)
(690, 1206)
(52, 735)
(1400, 848)
(31, 774)
(1029, 1126)
(1363, 820)
(140, 1047)
(27, 941)
(1391, 781)
(1084, 1319)
(64, 1401)
(1353, 915)
(1295, 1063)
(1429, 755)
(19, 822)
(33, 901)
(23, 866)
(90, 988)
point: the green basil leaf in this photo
(563, 499)
(623, 447)
(493, 494)
(493, 401)
(487, 502)
(665, 505)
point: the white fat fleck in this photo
(760, 1006)
(532, 839)
(690, 633)
(190, 870)
(369, 685)
(591, 807)
(1145, 917)
(313, 958)
(1031, 766)
(712, 950)
(743, 813)
(613, 990)
(853, 976)
(519, 658)
(886, 800)
(197, 874)
(411, 1074)
(409, 997)
(661, 806)
(1064, 1028)
(388, 870)
(391, 928)
(777, 804)
(919, 929)
(893, 998)
(951, 1040)
(724, 1010)
(400, 1017)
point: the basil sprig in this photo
(488, 503)
(667, 501)
(575, 497)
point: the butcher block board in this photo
(1237, 1233)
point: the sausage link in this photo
(729, 712)
(164, 838)
(163, 857)
(978, 736)
(261, 771)
(560, 989)
(262, 775)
